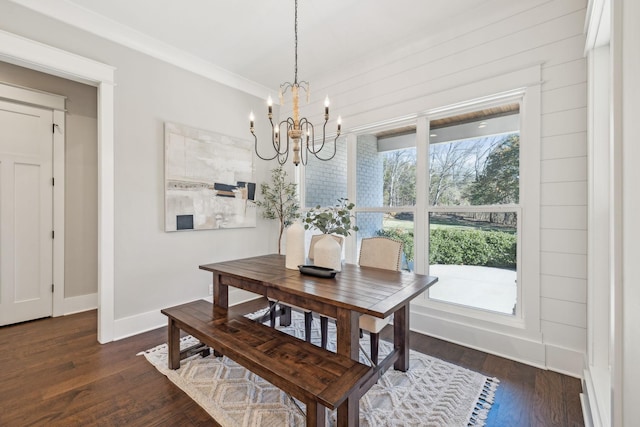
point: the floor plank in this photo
(55, 373)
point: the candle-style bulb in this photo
(269, 101)
(251, 116)
(326, 108)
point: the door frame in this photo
(41, 57)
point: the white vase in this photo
(295, 246)
(328, 253)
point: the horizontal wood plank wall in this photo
(412, 79)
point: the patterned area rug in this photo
(432, 393)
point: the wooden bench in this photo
(316, 377)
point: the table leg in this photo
(220, 292)
(173, 342)
(401, 338)
(220, 298)
(348, 333)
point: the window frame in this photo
(526, 322)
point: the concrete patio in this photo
(481, 287)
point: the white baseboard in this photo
(143, 322)
(80, 303)
(529, 351)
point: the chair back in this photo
(381, 252)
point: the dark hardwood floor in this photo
(54, 373)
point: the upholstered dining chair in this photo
(377, 252)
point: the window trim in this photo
(442, 319)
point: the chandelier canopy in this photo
(296, 128)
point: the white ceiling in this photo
(255, 38)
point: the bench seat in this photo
(313, 375)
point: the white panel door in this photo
(26, 213)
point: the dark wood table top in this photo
(366, 290)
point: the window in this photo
(473, 208)
(386, 188)
(456, 177)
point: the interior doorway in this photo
(30, 54)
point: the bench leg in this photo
(316, 414)
(173, 342)
(349, 412)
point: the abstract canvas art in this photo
(209, 180)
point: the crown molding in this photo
(86, 20)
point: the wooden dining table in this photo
(351, 293)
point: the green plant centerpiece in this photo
(332, 220)
(335, 223)
(280, 201)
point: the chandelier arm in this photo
(335, 150)
(256, 149)
(312, 149)
(275, 140)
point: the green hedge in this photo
(472, 247)
(462, 246)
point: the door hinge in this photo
(52, 287)
(53, 234)
(53, 181)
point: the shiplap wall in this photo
(419, 77)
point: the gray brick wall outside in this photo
(326, 182)
(369, 188)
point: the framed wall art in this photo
(209, 180)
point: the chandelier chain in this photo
(296, 134)
(295, 30)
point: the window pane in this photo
(474, 255)
(475, 161)
(326, 182)
(386, 171)
(398, 226)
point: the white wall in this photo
(154, 269)
(428, 74)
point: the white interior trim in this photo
(38, 98)
(38, 56)
(58, 211)
(103, 27)
(598, 24)
(80, 303)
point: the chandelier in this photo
(297, 129)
